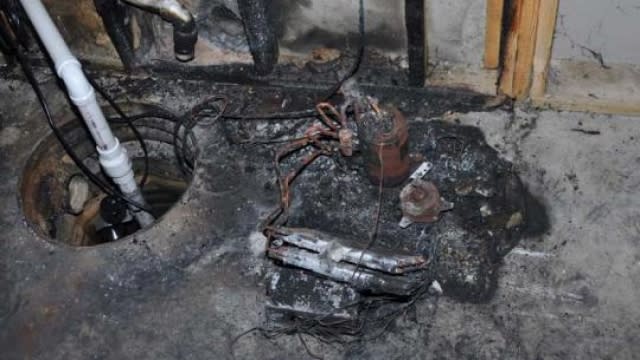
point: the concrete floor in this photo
(572, 293)
(569, 294)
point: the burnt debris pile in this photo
(392, 211)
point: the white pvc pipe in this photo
(112, 156)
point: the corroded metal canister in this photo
(384, 138)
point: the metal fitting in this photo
(185, 33)
(420, 202)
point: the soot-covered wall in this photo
(455, 30)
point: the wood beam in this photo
(548, 13)
(493, 33)
(520, 48)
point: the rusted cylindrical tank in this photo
(384, 139)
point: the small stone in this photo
(515, 220)
(484, 191)
(78, 194)
(485, 210)
(464, 189)
(435, 288)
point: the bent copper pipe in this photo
(185, 33)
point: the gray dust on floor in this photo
(571, 293)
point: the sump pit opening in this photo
(70, 214)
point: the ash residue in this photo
(466, 245)
(491, 214)
(372, 123)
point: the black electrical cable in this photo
(182, 152)
(207, 109)
(134, 129)
(184, 123)
(105, 187)
(26, 68)
(28, 71)
(356, 64)
(179, 144)
(292, 115)
(182, 131)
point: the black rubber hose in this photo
(113, 15)
(296, 115)
(262, 40)
(16, 20)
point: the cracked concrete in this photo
(604, 27)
